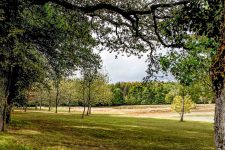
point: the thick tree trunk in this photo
(8, 114)
(69, 106)
(1, 122)
(218, 80)
(2, 117)
(220, 121)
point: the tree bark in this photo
(3, 117)
(8, 111)
(220, 121)
(2, 122)
(218, 81)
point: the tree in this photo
(101, 93)
(32, 41)
(177, 105)
(143, 23)
(183, 65)
(118, 95)
(89, 72)
(69, 91)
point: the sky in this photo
(125, 68)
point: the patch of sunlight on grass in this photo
(5, 139)
(192, 132)
(25, 131)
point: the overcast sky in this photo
(125, 68)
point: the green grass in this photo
(37, 130)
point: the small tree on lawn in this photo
(181, 105)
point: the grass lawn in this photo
(38, 130)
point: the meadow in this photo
(67, 131)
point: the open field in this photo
(202, 112)
(66, 131)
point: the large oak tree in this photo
(141, 26)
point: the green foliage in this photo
(41, 42)
(71, 92)
(118, 98)
(101, 93)
(170, 96)
(177, 104)
(132, 93)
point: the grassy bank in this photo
(37, 130)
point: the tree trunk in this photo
(3, 117)
(25, 108)
(69, 105)
(41, 104)
(218, 81)
(36, 105)
(220, 121)
(49, 104)
(89, 99)
(11, 91)
(182, 109)
(2, 121)
(56, 100)
(83, 111)
(8, 111)
(84, 101)
(89, 111)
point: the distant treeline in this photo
(121, 93)
(138, 93)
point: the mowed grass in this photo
(38, 130)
